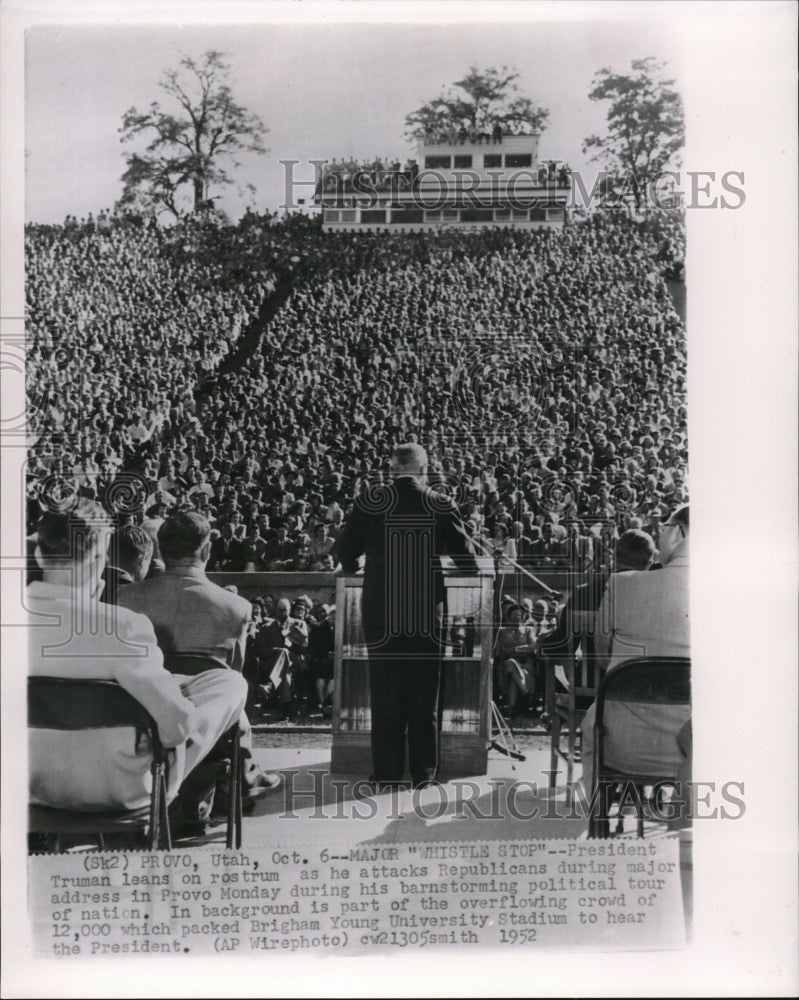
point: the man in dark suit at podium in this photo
(402, 528)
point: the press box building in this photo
(479, 181)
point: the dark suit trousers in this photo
(404, 696)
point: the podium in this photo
(465, 692)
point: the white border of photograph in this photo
(740, 95)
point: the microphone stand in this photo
(501, 736)
(539, 583)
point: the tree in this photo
(491, 98)
(190, 144)
(645, 129)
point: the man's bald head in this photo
(409, 459)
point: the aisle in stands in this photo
(544, 371)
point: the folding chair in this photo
(68, 704)
(229, 749)
(580, 676)
(647, 680)
(572, 663)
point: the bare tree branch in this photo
(191, 146)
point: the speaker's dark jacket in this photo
(403, 528)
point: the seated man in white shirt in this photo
(644, 613)
(73, 635)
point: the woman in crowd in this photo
(514, 664)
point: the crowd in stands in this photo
(123, 323)
(354, 177)
(289, 658)
(377, 174)
(472, 135)
(543, 370)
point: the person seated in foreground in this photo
(72, 635)
(644, 614)
(200, 628)
(578, 621)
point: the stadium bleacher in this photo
(544, 371)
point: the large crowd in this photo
(544, 371)
(350, 176)
(474, 135)
(227, 392)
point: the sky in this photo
(323, 91)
